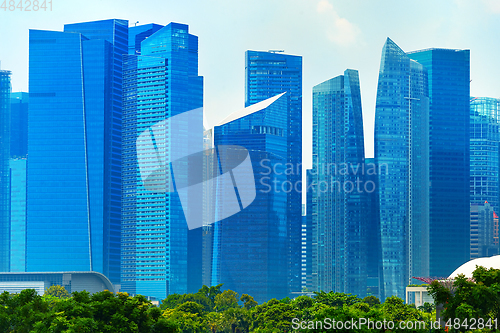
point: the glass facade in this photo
(373, 255)
(18, 159)
(401, 151)
(250, 247)
(159, 255)
(307, 233)
(449, 174)
(483, 230)
(268, 74)
(484, 168)
(5, 89)
(74, 144)
(338, 163)
(19, 124)
(18, 214)
(139, 33)
(92, 282)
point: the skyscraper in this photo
(307, 233)
(483, 230)
(266, 75)
(19, 124)
(139, 33)
(373, 256)
(401, 151)
(484, 168)
(449, 93)
(250, 247)
(18, 154)
(159, 255)
(338, 164)
(74, 134)
(4, 170)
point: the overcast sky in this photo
(331, 35)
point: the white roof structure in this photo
(470, 266)
(250, 109)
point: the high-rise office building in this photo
(19, 124)
(139, 33)
(483, 230)
(250, 247)
(338, 164)
(484, 177)
(159, 255)
(208, 208)
(449, 119)
(74, 145)
(401, 151)
(18, 154)
(374, 251)
(5, 90)
(266, 75)
(17, 214)
(306, 253)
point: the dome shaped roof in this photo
(470, 266)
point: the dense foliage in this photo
(470, 302)
(209, 310)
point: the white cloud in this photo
(492, 5)
(324, 6)
(338, 29)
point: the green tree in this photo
(187, 321)
(214, 321)
(205, 297)
(274, 316)
(191, 307)
(248, 301)
(174, 300)
(57, 291)
(303, 302)
(210, 293)
(395, 310)
(228, 299)
(236, 320)
(20, 312)
(335, 299)
(478, 297)
(427, 307)
(371, 300)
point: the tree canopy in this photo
(211, 310)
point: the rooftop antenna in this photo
(136, 24)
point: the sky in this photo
(330, 35)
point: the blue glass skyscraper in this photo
(19, 124)
(74, 145)
(449, 119)
(338, 164)
(18, 214)
(18, 154)
(401, 152)
(250, 247)
(139, 33)
(374, 251)
(484, 150)
(4, 170)
(266, 75)
(307, 233)
(484, 168)
(159, 255)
